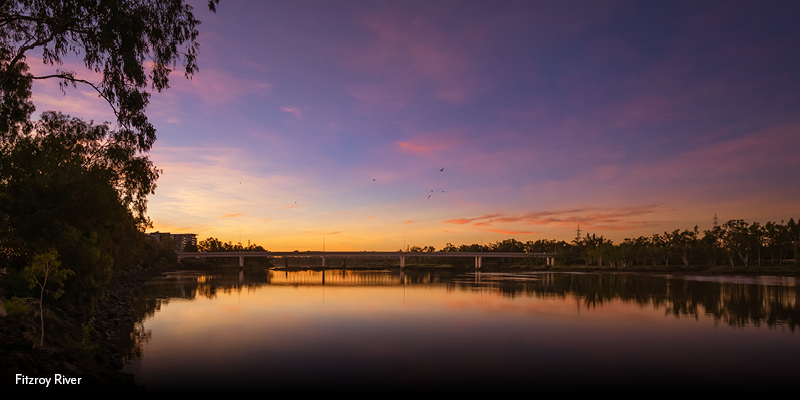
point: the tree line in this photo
(734, 243)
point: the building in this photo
(180, 239)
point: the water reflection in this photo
(440, 329)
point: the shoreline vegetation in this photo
(733, 247)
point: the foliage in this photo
(426, 249)
(743, 244)
(213, 244)
(71, 186)
(46, 270)
(87, 348)
(116, 38)
(16, 305)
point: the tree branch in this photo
(76, 80)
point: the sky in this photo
(373, 125)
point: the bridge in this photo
(344, 255)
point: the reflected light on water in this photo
(367, 329)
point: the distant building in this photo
(180, 239)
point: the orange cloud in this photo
(459, 221)
(462, 221)
(511, 232)
(230, 215)
(321, 233)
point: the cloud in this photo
(293, 110)
(624, 218)
(162, 226)
(462, 221)
(505, 232)
(217, 86)
(411, 56)
(434, 142)
(230, 215)
(80, 101)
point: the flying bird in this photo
(441, 170)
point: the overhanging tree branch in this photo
(114, 37)
(69, 77)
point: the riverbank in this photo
(92, 351)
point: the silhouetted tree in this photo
(72, 186)
(118, 38)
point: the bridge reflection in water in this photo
(335, 278)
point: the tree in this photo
(73, 186)
(45, 270)
(712, 244)
(116, 38)
(210, 245)
(738, 241)
(684, 243)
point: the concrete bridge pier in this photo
(241, 261)
(478, 262)
(402, 262)
(286, 262)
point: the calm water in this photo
(264, 330)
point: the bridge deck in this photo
(401, 255)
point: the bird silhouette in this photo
(441, 170)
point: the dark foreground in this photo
(92, 363)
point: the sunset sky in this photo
(378, 123)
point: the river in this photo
(269, 330)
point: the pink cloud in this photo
(293, 110)
(433, 142)
(624, 218)
(217, 87)
(747, 160)
(423, 59)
